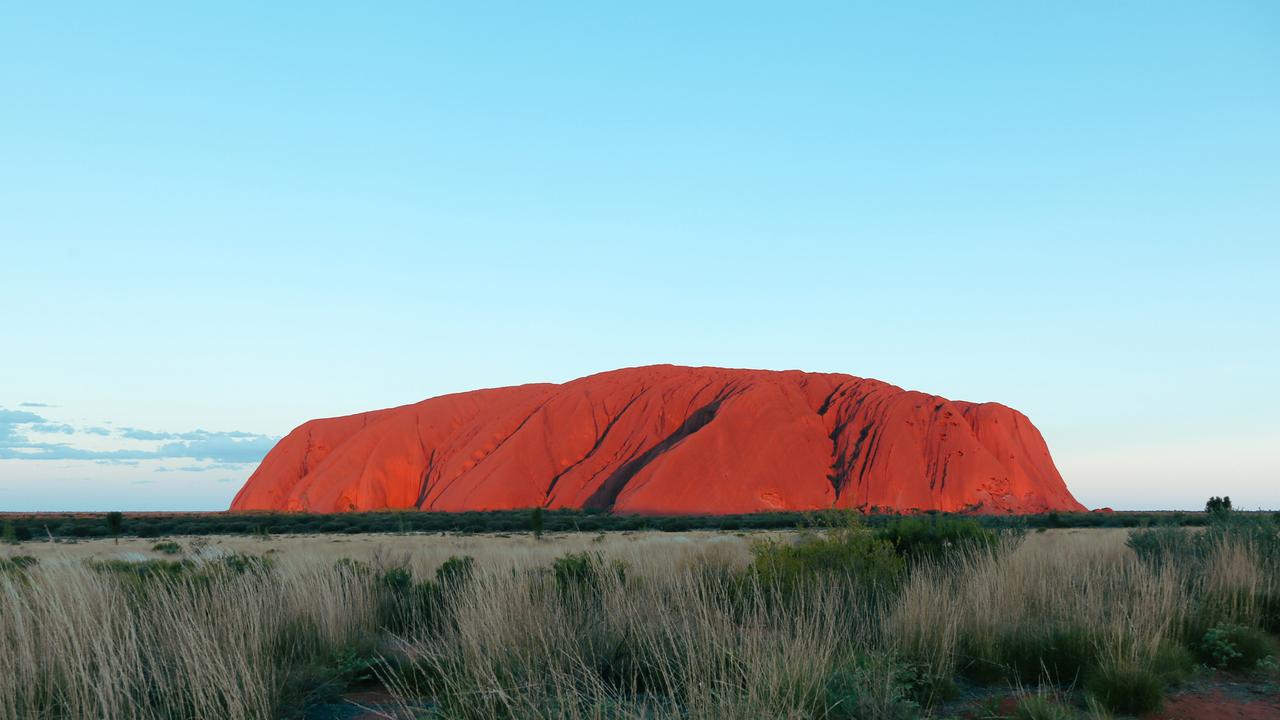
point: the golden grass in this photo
(680, 634)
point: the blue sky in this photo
(217, 221)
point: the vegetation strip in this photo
(912, 618)
(26, 526)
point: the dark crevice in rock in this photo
(605, 496)
(599, 441)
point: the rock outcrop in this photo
(669, 440)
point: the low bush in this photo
(584, 571)
(167, 547)
(1157, 546)
(1233, 647)
(847, 551)
(145, 570)
(397, 579)
(305, 686)
(355, 665)
(1126, 689)
(933, 536)
(872, 686)
(244, 563)
(455, 572)
(406, 603)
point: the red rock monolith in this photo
(669, 440)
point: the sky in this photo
(218, 220)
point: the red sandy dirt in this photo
(1216, 706)
(669, 440)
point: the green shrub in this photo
(403, 603)
(1126, 689)
(240, 563)
(168, 547)
(851, 551)
(320, 672)
(1233, 647)
(1157, 546)
(145, 570)
(933, 536)
(355, 665)
(406, 604)
(397, 579)
(455, 572)
(871, 686)
(584, 571)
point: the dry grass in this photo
(683, 632)
(427, 551)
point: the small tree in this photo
(115, 523)
(10, 533)
(535, 522)
(1218, 505)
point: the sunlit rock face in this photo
(669, 440)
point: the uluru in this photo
(669, 440)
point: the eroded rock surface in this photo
(668, 440)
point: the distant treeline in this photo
(24, 527)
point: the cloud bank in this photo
(21, 431)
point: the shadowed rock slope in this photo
(668, 440)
